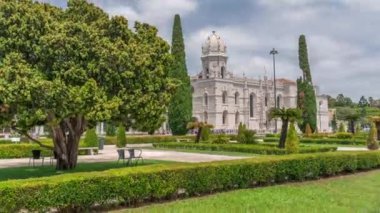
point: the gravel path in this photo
(109, 153)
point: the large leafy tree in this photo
(350, 115)
(286, 116)
(180, 108)
(68, 69)
(306, 99)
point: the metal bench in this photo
(36, 155)
(132, 156)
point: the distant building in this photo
(225, 100)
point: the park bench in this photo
(90, 150)
(15, 140)
(182, 140)
(132, 156)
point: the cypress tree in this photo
(180, 108)
(306, 99)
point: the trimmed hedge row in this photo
(20, 150)
(264, 149)
(81, 191)
(325, 141)
(149, 139)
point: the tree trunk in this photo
(198, 137)
(66, 137)
(284, 131)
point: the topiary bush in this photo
(292, 140)
(221, 139)
(308, 131)
(245, 135)
(205, 134)
(90, 138)
(342, 128)
(372, 142)
(121, 139)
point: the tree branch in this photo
(32, 139)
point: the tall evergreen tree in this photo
(306, 99)
(180, 108)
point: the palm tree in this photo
(286, 115)
(195, 124)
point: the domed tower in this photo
(214, 58)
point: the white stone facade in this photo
(223, 100)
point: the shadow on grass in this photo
(48, 170)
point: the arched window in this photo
(225, 114)
(224, 97)
(223, 71)
(192, 89)
(236, 98)
(278, 101)
(237, 119)
(251, 104)
(266, 101)
(205, 117)
(205, 99)
(207, 73)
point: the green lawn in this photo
(353, 193)
(39, 171)
(243, 154)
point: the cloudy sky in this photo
(342, 36)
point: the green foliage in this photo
(286, 115)
(308, 131)
(245, 135)
(148, 139)
(221, 139)
(344, 135)
(121, 139)
(180, 108)
(306, 100)
(372, 142)
(132, 186)
(195, 124)
(20, 150)
(77, 66)
(342, 128)
(264, 149)
(325, 141)
(110, 129)
(292, 140)
(334, 123)
(205, 133)
(91, 139)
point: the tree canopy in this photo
(70, 68)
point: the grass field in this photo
(44, 171)
(353, 193)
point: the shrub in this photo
(78, 192)
(271, 135)
(249, 136)
(110, 129)
(121, 140)
(20, 150)
(292, 141)
(344, 135)
(372, 142)
(265, 149)
(308, 131)
(341, 128)
(149, 139)
(325, 141)
(205, 134)
(221, 139)
(91, 139)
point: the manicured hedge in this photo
(265, 149)
(20, 150)
(80, 191)
(325, 141)
(149, 139)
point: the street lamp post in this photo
(274, 52)
(319, 112)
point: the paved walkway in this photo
(109, 153)
(352, 149)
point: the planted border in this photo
(264, 149)
(324, 141)
(81, 191)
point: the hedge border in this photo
(82, 191)
(264, 149)
(324, 141)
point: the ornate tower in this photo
(214, 58)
